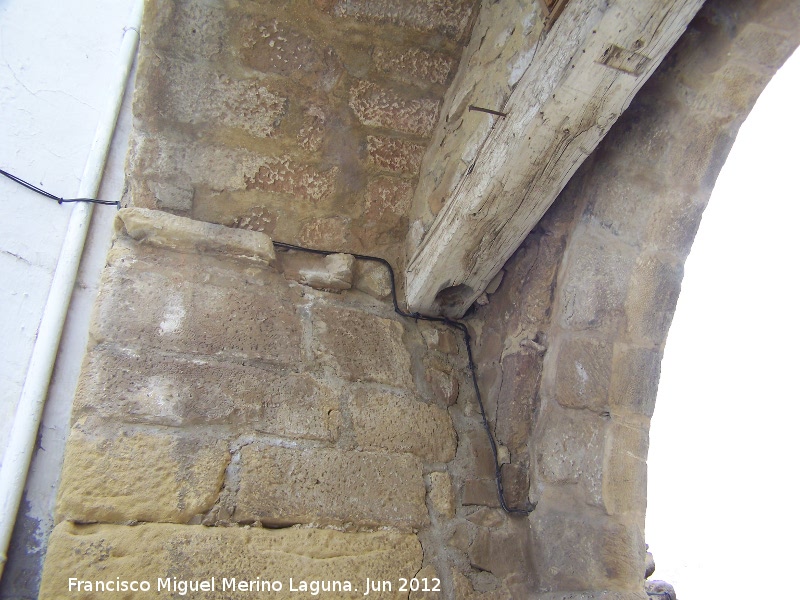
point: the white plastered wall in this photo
(56, 64)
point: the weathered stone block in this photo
(674, 223)
(164, 303)
(444, 385)
(737, 87)
(373, 278)
(500, 551)
(187, 162)
(516, 483)
(569, 448)
(275, 47)
(586, 552)
(286, 176)
(488, 517)
(387, 200)
(621, 201)
(440, 339)
(122, 474)
(461, 537)
(583, 373)
(361, 346)
(414, 66)
(387, 421)
(164, 230)
(480, 492)
(518, 398)
(196, 94)
(652, 296)
(188, 29)
(427, 579)
(625, 471)
(634, 379)
(477, 453)
(162, 390)
(282, 486)
(333, 272)
(449, 17)
(312, 134)
(593, 290)
(704, 141)
(326, 233)
(393, 154)
(172, 196)
(441, 494)
(195, 553)
(377, 106)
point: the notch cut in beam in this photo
(590, 65)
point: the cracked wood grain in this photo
(583, 76)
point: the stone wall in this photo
(252, 413)
(303, 119)
(570, 344)
(234, 397)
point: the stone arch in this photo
(596, 283)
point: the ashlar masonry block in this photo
(117, 475)
(177, 303)
(282, 486)
(194, 553)
(361, 346)
(163, 389)
(396, 423)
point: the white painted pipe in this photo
(17, 458)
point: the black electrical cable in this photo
(467, 340)
(58, 199)
(416, 316)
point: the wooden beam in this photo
(589, 66)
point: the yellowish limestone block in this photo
(189, 555)
(125, 475)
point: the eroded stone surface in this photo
(444, 385)
(593, 553)
(448, 17)
(373, 278)
(625, 471)
(285, 486)
(179, 305)
(143, 387)
(393, 154)
(333, 272)
(414, 66)
(190, 93)
(570, 449)
(397, 423)
(195, 553)
(377, 106)
(182, 234)
(441, 494)
(116, 475)
(634, 379)
(362, 347)
(583, 373)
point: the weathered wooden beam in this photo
(583, 76)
